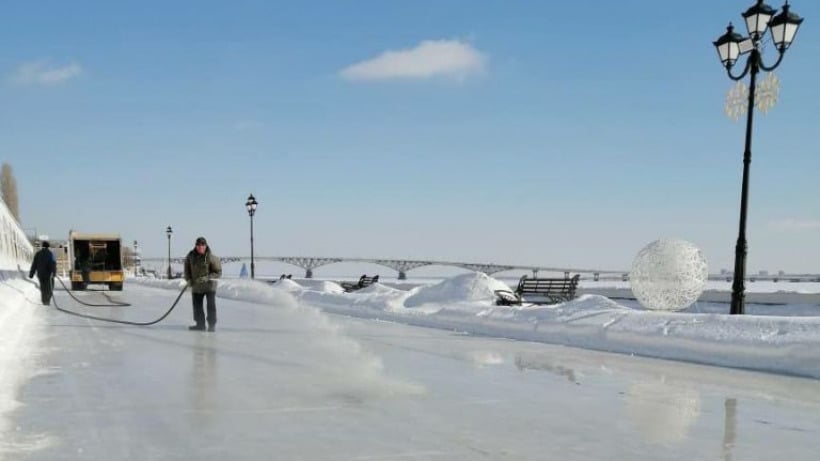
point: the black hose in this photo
(103, 319)
(113, 303)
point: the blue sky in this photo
(554, 133)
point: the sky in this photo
(406, 129)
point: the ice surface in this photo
(282, 380)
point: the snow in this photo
(288, 285)
(21, 331)
(349, 388)
(787, 343)
(474, 287)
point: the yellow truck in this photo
(95, 259)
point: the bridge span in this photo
(402, 266)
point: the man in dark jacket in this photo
(202, 269)
(45, 266)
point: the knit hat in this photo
(201, 241)
(45, 245)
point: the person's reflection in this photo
(729, 428)
(203, 376)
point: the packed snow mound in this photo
(377, 288)
(287, 285)
(473, 286)
(328, 287)
(589, 303)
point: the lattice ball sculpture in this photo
(668, 275)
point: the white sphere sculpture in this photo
(668, 275)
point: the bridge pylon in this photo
(402, 266)
(308, 263)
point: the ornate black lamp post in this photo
(251, 206)
(169, 231)
(730, 46)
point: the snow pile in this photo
(475, 287)
(287, 285)
(374, 298)
(21, 330)
(780, 344)
(238, 289)
(326, 286)
(776, 343)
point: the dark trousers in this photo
(199, 314)
(46, 290)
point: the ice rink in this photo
(294, 383)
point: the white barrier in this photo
(15, 249)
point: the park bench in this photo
(539, 291)
(364, 281)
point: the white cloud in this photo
(42, 72)
(791, 224)
(430, 58)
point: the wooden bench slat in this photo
(364, 281)
(555, 290)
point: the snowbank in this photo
(287, 285)
(471, 287)
(21, 330)
(780, 344)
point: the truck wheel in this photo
(115, 286)
(76, 286)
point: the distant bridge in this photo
(402, 266)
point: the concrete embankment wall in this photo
(16, 251)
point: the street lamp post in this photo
(730, 46)
(135, 257)
(169, 231)
(251, 207)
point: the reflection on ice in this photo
(663, 412)
(729, 428)
(525, 361)
(485, 358)
(203, 372)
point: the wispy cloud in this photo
(43, 72)
(430, 58)
(791, 224)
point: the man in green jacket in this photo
(202, 268)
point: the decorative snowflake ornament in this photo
(736, 101)
(767, 92)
